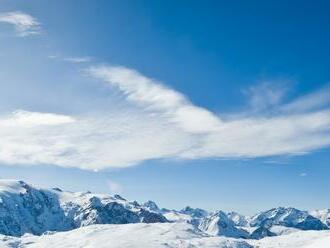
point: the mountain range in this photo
(25, 209)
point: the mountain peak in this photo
(219, 224)
(238, 219)
(152, 206)
(289, 217)
(194, 212)
(119, 197)
(13, 186)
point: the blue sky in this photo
(209, 104)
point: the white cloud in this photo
(75, 60)
(53, 56)
(116, 139)
(78, 59)
(30, 119)
(156, 123)
(266, 94)
(303, 174)
(266, 136)
(312, 101)
(154, 96)
(24, 24)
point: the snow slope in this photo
(157, 235)
(300, 239)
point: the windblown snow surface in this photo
(158, 235)
(301, 239)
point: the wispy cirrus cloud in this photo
(75, 60)
(156, 123)
(267, 94)
(24, 24)
(78, 59)
(155, 97)
(309, 102)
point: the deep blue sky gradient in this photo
(208, 50)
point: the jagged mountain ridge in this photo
(288, 217)
(238, 219)
(26, 209)
(218, 224)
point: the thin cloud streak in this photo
(156, 97)
(78, 59)
(310, 102)
(266, 95)
(25, 24)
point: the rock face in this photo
(151, 206)
(25, 209)
(194, 212)
(109, 213)
(218, 224)
(151, 217)
(288, 217)
(261, 232)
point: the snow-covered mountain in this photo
(25, 209)
(188, 214)
(194, 212)
(238, 219)
(323, 215)
(288, 217)
(151, 206)
(219, 224)
(261, 232)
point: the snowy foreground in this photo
(158, 235)
(122, 236)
